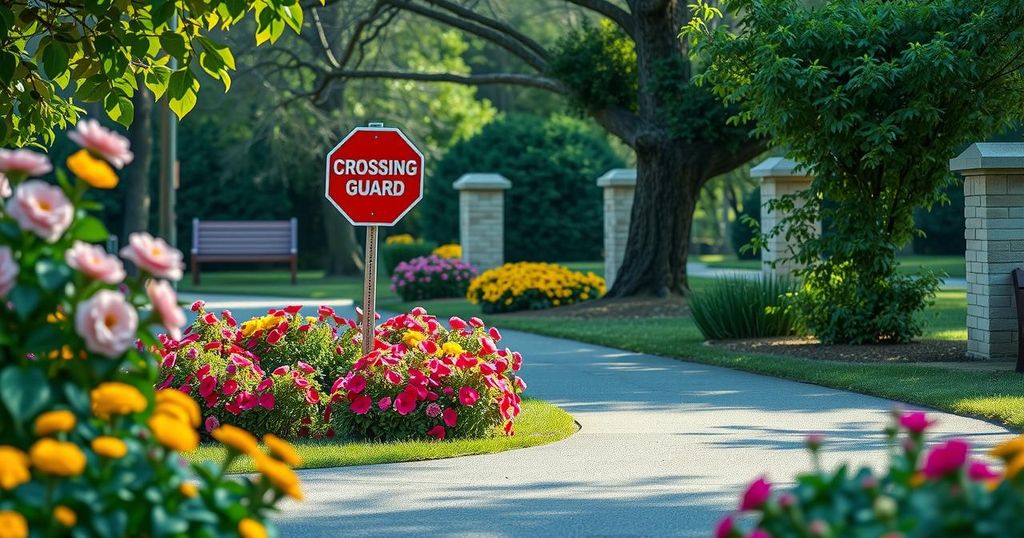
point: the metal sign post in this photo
(369, 289)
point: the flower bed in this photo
(939, 492)
(87, 447)
(532, 286)
(450, 250)
(432, 277)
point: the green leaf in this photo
(25, 299)
(9, 229)
(173, 43)
(42, 338)
(90, 230)
(119, 108)
(182, 91)
(55, 59)
(52, 274)
(24, 391)
(157, 79)
(8, 63)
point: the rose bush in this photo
(88, 447)
(432, 277)
(940, 492)
(532, 286)
(423, 379)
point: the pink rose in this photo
(93, 262)
(107, 323)
(756, 495)
(42, 209)
(154, 256)
(5, 186)
(945, 458)
(165, 303)
(23, 163)
(915, 421)
(106, 143)
(8, 271)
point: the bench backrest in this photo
(245, 237)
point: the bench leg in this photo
(195, 271)
(295, 270)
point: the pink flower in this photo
(265, 385)
(107, 144)
(198, 305)
(384, 403)
(393, 377)
(915, 421)
(356, 384)
(211, 423)
(468, 395)
(207, 386)
(437, 432)
(5, 186)
(165, 303)
(433, 410)
(361, 405)
(476, 322)
(153, 255)
(312, 397)
(487, 346)
(456, 323)
(495, 334)
(405, 402)
(23, 163)
(814, 441)
(107, 323)
(95, 263)
(281, 370)
(786, 500)
(756, 495)
(266, 401)
(305, 367)
(8, 271)
(759, 533)
(229, 388)
(42, 209)
(945, 458)
(450, 418)
(725, 527)
(979, 471)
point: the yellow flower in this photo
(180, 404)
(413, 338)
(12, 525)
(451, 349)
(188, 489)
(451, 250)
(1009, 449)
(250, 528)
(113, 398)
(280, 475)
(96, 172)
(1014, 466)
(917, 479)
(65, 353)
(52, 422)
(236, 439)
(109, 447)
(57, 458)
(282, 449)
(55, 317)
(400, 239)
(65, 516)
(13, 467)
(173, 433)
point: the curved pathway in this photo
(665, 448)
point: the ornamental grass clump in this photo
(88, 447)
(937, 492)
(738, 307)
(432, 277)
(532, 286)
(425, 380)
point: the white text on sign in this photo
(376, 167)
(374, 187)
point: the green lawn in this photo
(312, 284)
(540, 423)
(951, 265)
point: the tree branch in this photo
(531, 81)
(723, 161)
(618, 15)
(620, 122)
(492, 23)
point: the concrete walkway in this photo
(665, 448)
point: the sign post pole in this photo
(369, 289)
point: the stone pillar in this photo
(779, 177)
(619, 185)
(482, 219)
(994, 212)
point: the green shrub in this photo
(396, 253)
(554, 209)
(741, 230)
(740, 307)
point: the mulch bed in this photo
(622, 308)
(809, 348)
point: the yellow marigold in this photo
(237, 439)
(413, 338)
(188, 489)
(282, 449)
(96, 172)
(451, 349)
(250, 528)
(400, 239)
(175, 399)
(55, 317)
(12, 525)
(1009, 449)
(13, 467)
(65, 353)
(173, 433)
(57, 458)
(113, 398)
(451, 250)
(1015, 465)
(65, 516)
(280, 475)
(52, 422)
(109, 447)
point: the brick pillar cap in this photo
(482, 182)
(989, 155)
(618, 177)
(779, 167)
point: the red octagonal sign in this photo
(374, 176)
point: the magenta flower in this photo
(361, 405)
(22, 163)
(405, 402)
(725, 527)
(945, 458)
(384, 403)
(456, 323)
(979, 471)
(102, 141)
(756, 495)
(266, 401)
(915, 421)
(487, 346)
(437, 432)
(356, 384)
(207, 386)
(433, 410)
(229, 388)
(468, 396)
(211, 423)
(759, 533)
(451, 417)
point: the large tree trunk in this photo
(343, 253)
(136, 176)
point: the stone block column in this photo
(779, 177)
(994, 212)
(482, 219)
(619, 187)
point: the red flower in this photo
(466, 361)
(495, 334)
(210, 319)
(300, 382)
(456, 323)
(450, 417)
(487, 346)
(476, 322)
(393, 377)
(230, 386)
(405, 403)
(305, 367)
(756, 495)
(468, 395)
(509, 430)
(437, 432)
(265, 385)
(486, 368)
(274, 337)
(198, 305)
(312, 397)
(294, 309)
(945, 458)
(328, 411)
(384, 403)
(266, 400)
(229, 318)
(517, 361)
(337, 384)
(212, 345)
(207, 386)
(361, 405)
(281, 370)
(428, 347)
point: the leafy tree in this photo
(553, 211)
(744, 228)
(54, 54)
(874, 96)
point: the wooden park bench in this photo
(247, 241)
